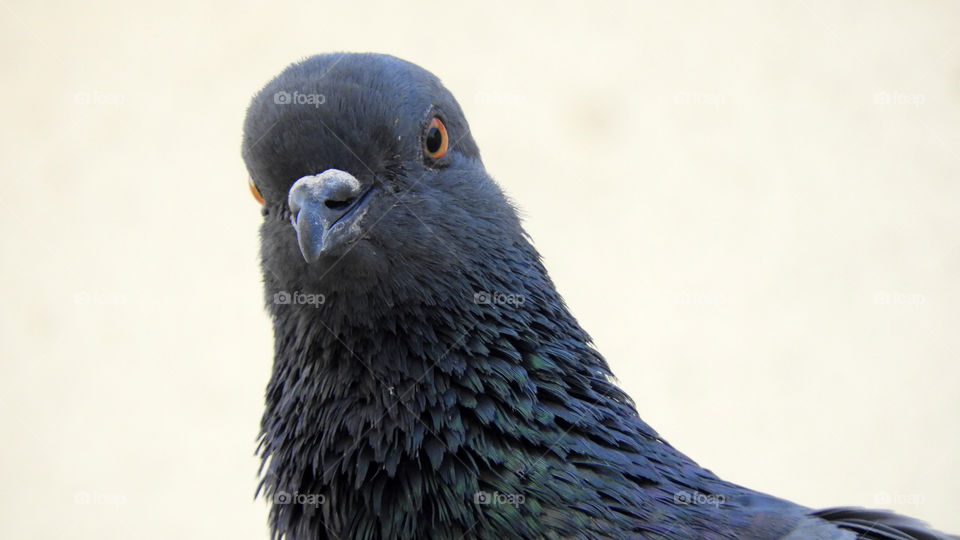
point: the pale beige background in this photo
(753, 207)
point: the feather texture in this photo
(442, 389)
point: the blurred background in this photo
(752, 207)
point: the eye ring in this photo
(436, 141)
(255, 192)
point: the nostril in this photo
(337, 205)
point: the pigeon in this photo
(429, 382)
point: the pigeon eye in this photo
(255, 192)
(436, 142)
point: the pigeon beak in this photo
(320, 202)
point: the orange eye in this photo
(255, 192)
(436, 142)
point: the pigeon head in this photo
(428, 379)
(368, 176)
